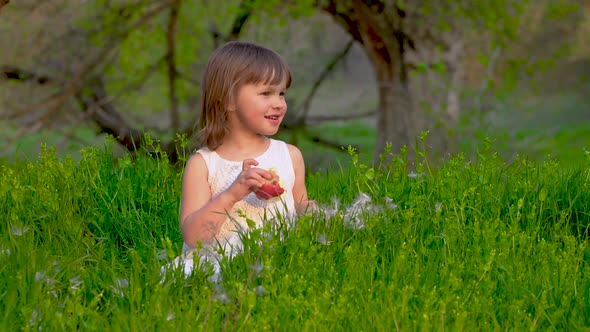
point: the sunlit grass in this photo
(481, 245)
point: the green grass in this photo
(320, 157)
(481, 245)
(552, 124)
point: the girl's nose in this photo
(279, 102)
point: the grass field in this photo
(473, 245)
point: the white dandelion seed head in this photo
(123, 283)
(170, 316)
(19, 230)
(260, 291)
(35, 318)
(76, 282)
(40, 276)
(389, 203)
(220, 294)
(257, 268)
(413, 175)
(438, 206)
(162, 254)
(323, 239)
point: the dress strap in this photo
(207, 156)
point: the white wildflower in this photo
(35, 318)
(162, 254)
(119, 285)
(389, 203)
(257, 268)
(323, 240)
(414, 175)
(353, 216)
(42, 277)
(260, 291)
(221, 295)
(438, 206)
(19, 230)
(76, 282)
(170, 316)
(4, 251)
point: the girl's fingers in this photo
(262, 173)
(255, 185)
(257, 178)
(248, 163)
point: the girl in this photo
(243, 102)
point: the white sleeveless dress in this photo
(222, 173)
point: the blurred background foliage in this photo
(518, 72)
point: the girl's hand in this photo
(249, 180)
(307, 207)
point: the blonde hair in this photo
(231, 66)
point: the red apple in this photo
(272, 188)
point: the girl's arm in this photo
(302, 203)
(202, 216)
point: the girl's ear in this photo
(231, 105)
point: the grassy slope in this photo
(472, 246)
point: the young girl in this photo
(243, 102)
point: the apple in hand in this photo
(272, 188)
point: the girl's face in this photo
(259, 108)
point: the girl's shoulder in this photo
(295, 153)
(195, 165)
(293, 150)
(288, 152)
(200, 161)
(283, 144)
(278, 147)
(210, 156)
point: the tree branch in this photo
(72, 87)
(327, 142)
(20, 133)
(171, 60)
(98, 107)
(304, 109)
(346, 19)
(90, 92)
(244, 12)
(95, 103)
(8, 72)
(70, 134)
(327, 118)
(141, 80)
(3, 3)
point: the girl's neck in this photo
(240, 148)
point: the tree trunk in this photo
(396, 118)
(3, 3)
(379, 28)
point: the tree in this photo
(403, 38)
(114, 49)
(110, 38)
(406, 41)
(3, 3)
(400, 37)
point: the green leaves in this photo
(471, 241)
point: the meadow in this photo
(471, 245)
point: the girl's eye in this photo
(266, 93)
(283, 93)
